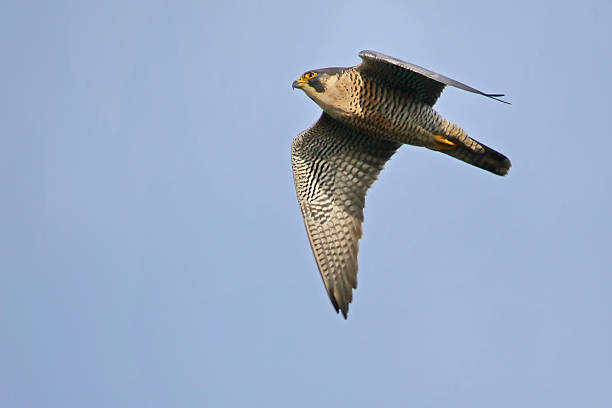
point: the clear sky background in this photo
(152, 253)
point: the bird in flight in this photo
(369, 111)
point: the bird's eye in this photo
(310, 75)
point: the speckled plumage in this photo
(369, 111)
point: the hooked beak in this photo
(299, 83)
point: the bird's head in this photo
(320, 84)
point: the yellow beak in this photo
(299, 83)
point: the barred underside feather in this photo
(334, 165)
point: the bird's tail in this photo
(473, 152)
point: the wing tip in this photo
(344, 311)
(340, 308)
(496, 97)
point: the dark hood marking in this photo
(316, 84)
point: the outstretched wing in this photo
(333, 167)
(422, 83)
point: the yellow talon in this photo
(444, 143)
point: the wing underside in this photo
(333, 167)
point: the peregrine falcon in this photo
(369, 111)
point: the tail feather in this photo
(479, 155)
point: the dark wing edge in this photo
(375, 58)
(333, 167)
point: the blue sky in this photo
(152, 253)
